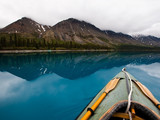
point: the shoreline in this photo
(38, 51)
(92, 50)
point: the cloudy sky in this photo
(127, 16)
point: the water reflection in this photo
(50, 95)
(9, 85)
(64, 83)
(151, 69)
(69, 65)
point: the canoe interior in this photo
(119, 94)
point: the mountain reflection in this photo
(69, 65)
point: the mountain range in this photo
(26, 33)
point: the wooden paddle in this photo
(110, 86)
(148, 94)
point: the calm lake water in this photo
(57, 86)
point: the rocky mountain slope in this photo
(80, 32)
(148, 40)
(70, 33)
(26, 26)
(121, 38)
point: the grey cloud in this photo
(128, 16)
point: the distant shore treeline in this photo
(16, 41)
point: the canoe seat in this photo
(117, 112)
(126, 116)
